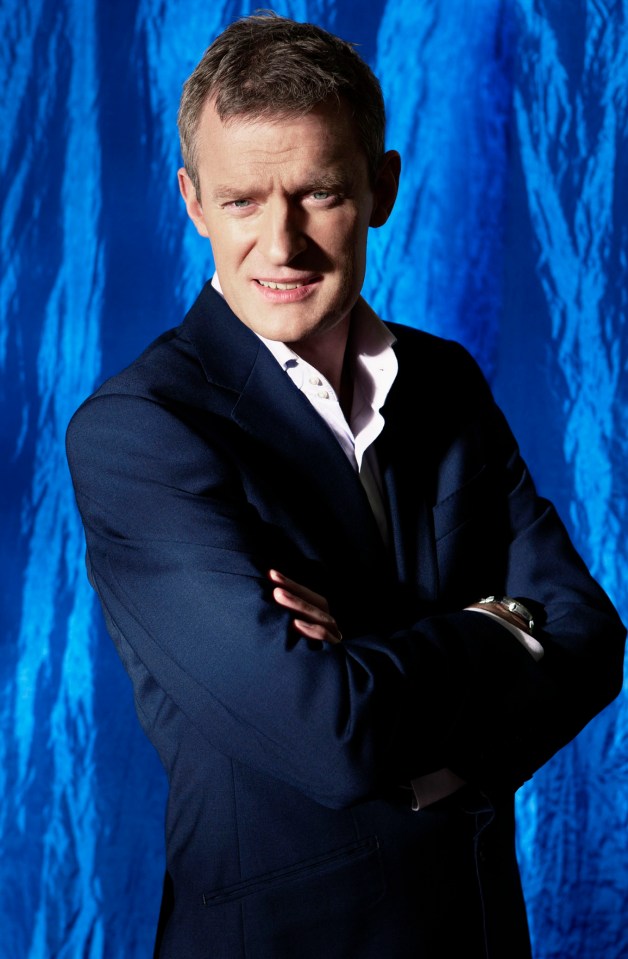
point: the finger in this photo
(312, 613)
(322, 623)
(309, 595)
(308, 604)
(299, 590)
(317, 632)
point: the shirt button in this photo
(314, 380)
(323, 395)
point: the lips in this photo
(270, 285)
(283, 290)
(287, 282)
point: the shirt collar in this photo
(370, 343)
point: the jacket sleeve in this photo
(495, 535)
(179, 558)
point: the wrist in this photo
(508, 608)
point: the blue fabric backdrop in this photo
(510, 234)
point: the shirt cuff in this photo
(430, 788)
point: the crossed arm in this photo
(313, 620)
(180, 559)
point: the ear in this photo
(192, 203)
(385, 189)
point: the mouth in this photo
(287, 291)
(286, 284)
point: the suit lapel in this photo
(268, 406)
(406, 456)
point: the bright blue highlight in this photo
(510, 234)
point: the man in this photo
(301, 524)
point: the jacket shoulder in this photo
(439, 367)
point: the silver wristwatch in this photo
(511, 604)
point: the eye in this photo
(326, 197)
(239, 206)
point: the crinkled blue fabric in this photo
(510, 234)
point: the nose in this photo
(282, 235)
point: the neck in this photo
(326, 353)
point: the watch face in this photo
(513, 606)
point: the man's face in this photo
(286, 206)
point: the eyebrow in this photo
(332, 182)
(341, 182)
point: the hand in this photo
(314, 619)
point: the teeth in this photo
(280, 286)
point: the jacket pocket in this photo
(323, 906)
(347, 858)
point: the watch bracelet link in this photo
(513, 605)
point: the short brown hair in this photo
(267, 66)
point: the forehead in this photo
(325, 138)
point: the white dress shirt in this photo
(374, 370)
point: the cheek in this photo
(343, 239)
(229, 245)
(353, 249)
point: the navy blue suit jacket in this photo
(289, 825)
